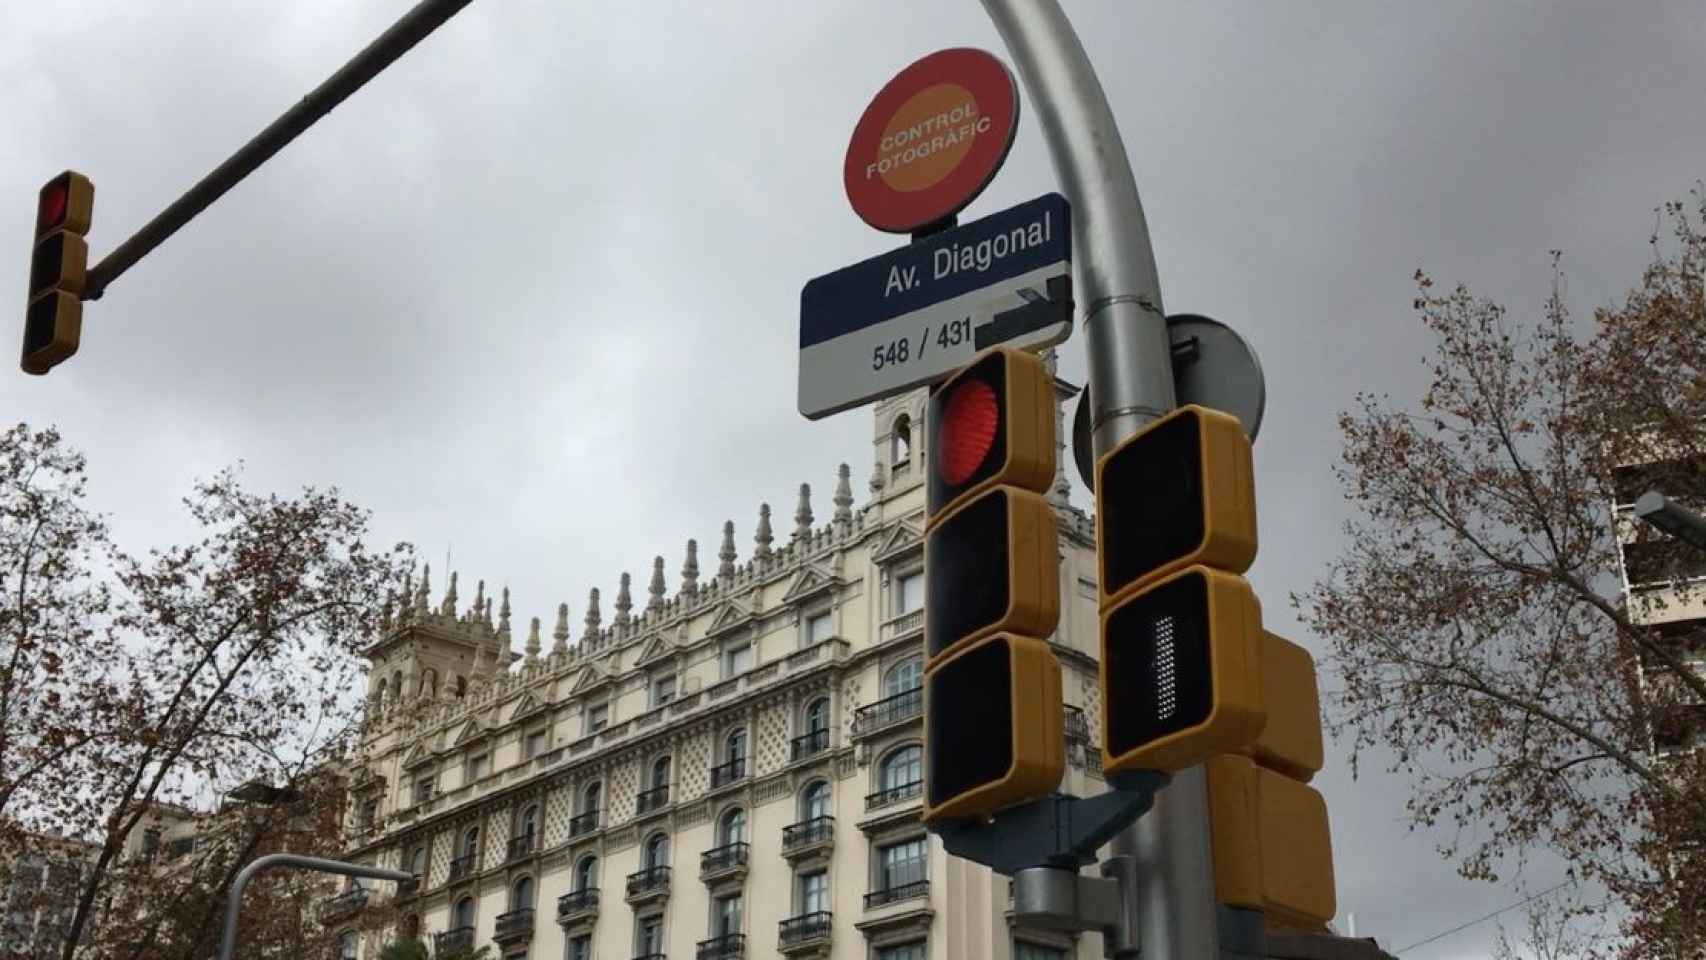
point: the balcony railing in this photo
(904, 891)
(649, 880)
(725, 773)
(462, 866)
(805, 928)
(727, 945)
(889, 710)
(461, 938)
(654, 799)
(577, 902)
(583, 823)
(514, 925)
(723, 858)
(893, 795)
(808, 744)
(344, 904)
(1077, 728)
(807, 832)
(521, 846)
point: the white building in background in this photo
(732, 771)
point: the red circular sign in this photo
(931, 140)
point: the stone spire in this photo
(532, 647)
(593, 617)
(624, 601)
(655, 601)
(385, 612)
(844, 494)
(763, 537)
(503, 616)
(479, 612)
(803, 513)
(422, 591)
(561, 634)
(690, 569)
(406, 600)
(726, 553)
(448, 607)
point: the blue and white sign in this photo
(918, 313)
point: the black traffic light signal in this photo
(990, 424)
(53, 320)
(992, 717)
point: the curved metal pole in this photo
(228, 936)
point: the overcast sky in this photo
(532, 295)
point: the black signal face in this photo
(1151, 500)
(967, 441)
(970, 721)
(39, 325)
(1156, 656)
(966, 572)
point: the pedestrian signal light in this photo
(1181, 672)
(53, 319)
(1270, 842)
(990, 566)
(994, 728)
(1180, 492)
(990, 424)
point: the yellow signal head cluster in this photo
(990, 424)
(994, 729)
(1291, 741)
(993, 565)
(53, 318)
(1271, 843)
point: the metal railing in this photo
(1077, 728)
(583, 823)
(462, 866)
(648, 880)
(577, 901)
(725, 857)
(460, 938)
(513, 924)
(654, 799)
(725, 773)
(805, 927)
(893, 795)
(717, 948)
(808, 744)
(344, 903)
(807, 832)
(902, 706)
(521, 846)
(904, 891)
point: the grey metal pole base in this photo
(234, 900)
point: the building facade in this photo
(731, 771)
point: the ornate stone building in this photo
(733, 770)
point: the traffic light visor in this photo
(992, 565)
(994, 731)
(67, 201)
(990, 424)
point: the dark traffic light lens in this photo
(39, 324)
(970, 721)
(1157, 662)
(47, 264)
(1152, 502)
(965, 572)
(970, 418)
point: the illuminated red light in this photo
(51, 214)
(969, 421)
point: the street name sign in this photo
(916, 314)
(931, 140)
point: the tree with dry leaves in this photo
(1477, 621)
(130, 682)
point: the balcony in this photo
(521, 846)
(513, 927)
(887, 712)
(718, 948)
(808, 744)
(344, 905)
(728, 860)
(647, 885)
(895, 894)
(450, 941)
(647, 801)
(1077, 728)
(896, 627)
(583, 824)
(577, 905)
(805, 933)
(724, 774)
(894, 795)
(461, 867)
(808, 837)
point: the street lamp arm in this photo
(1673, 518)
(228, 937)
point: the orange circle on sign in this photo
(927, 137)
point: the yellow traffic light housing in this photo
(53, 319)
(994, 730)
(1291, 741)
(1180, 492)
(991, 565)
(1181, 672)
(990, 424)
(1271, 843)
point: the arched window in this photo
(817, 715)
(463, 916)
(529, 821)
(657, 851)
(660, 773)
(429, 684)
(900, 445)
(417, 861)
(904, 676)
(396, 694)
(586, 873)
(902, 768)
(346, 945)
(461, 686)
(814, 800)
(521, 895)
(471, 841)
(591, 795)
(734, 745)
(731, 828)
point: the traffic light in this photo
(53, 320)
(1267, 827)
(1181, 636)
(993, 732)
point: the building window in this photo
(817, 715)
(909, 593)
(648, 936)
(900, 864)
(346, 945)
(904, 677)
(660, 773)
(423, 789)
(732, 827)
(534, 745)
(737, 659)
(586, 873)
(819, 627)
(150, 842)
(477, 766)
(597, 717)
(368, 814)
(464, 913)
(1025, 950)
(530, 821)
(417, 862)
(734, 745)
(591, 796)
(580, 948)
(900, 444)
(902, 951)
(521, 895)
(657, 851)
(726, 919)
(814, 800)
(470, 841)
(812, 892)
(663, 691)
(902, 768)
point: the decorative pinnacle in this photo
(803, 513)
(593, 618)
(763, 537)
(726, 569)
(385, 612)
(624, 601)
(503, 617)
(876, 476)
(690, 568)
(422, 590)
(656, 587)
(532, 647)
(448, 607)
(844, 494)
(561, 634)
(479, 612)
